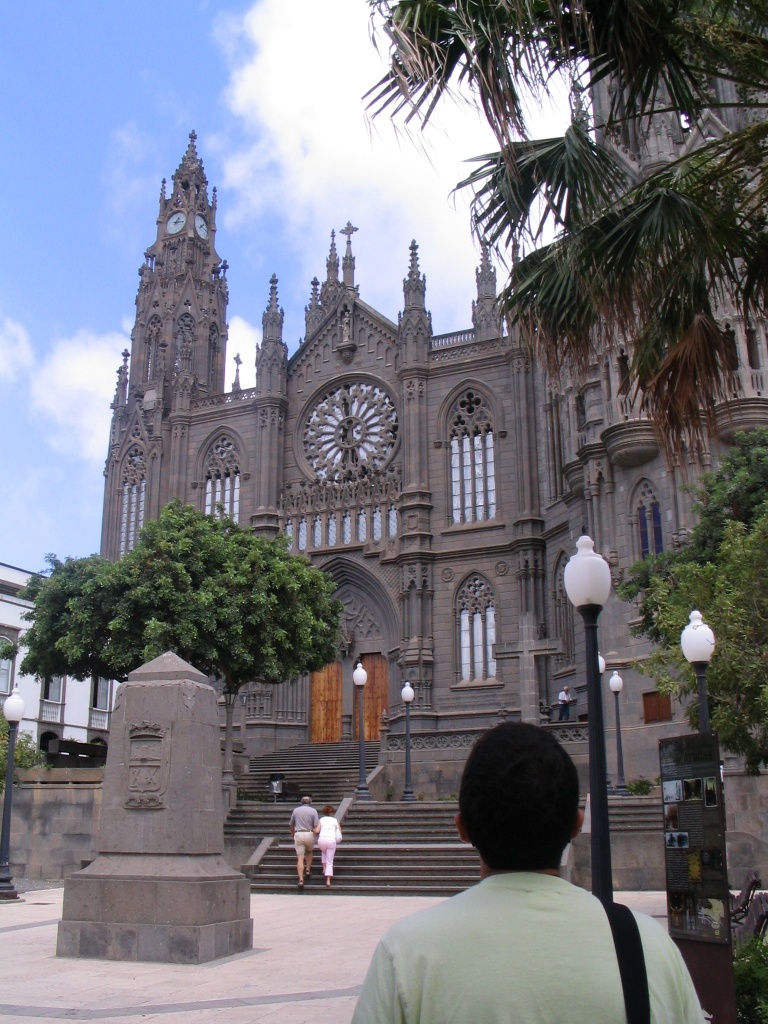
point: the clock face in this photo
(200, 226)
(176, 222)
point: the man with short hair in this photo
(304, 821)
(523, 945)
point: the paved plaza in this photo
(309, 958)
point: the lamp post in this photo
(230, 698)
(616, 684)
(698, 643)
(407, 696)
(587, 580)
(360, 678)
(13, 709)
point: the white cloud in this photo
(72, 390)
(308, 156)
(243, 339)
(15, 349)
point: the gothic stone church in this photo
(442, 480)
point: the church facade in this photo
(442, 480)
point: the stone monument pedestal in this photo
(160, 889)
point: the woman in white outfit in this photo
(328, 835)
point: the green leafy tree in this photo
(642, 257)
(236, 606)
(737, 492)
(721, 573)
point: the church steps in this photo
(389, 847)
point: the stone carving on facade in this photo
(148, 765)
(358, 623)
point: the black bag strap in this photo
(629, 953)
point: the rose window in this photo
(352, 430)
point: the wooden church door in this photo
(375, 697)
(326, 704)
(327, 700)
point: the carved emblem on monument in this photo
(148, 764)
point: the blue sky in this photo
(96, 103)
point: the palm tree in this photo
(649, 212)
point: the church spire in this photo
(484, 317)
(313, 313)
(332, 263)
(272, 321)
(348, 264)
(272, 353)
(415, 284)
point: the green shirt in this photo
(518, 947)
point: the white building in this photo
(59, 707)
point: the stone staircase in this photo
(404, 849)
(388, 849)
(327, 772)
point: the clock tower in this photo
(178, 346)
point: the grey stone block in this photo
(94, 940)
(160, 890)
(68, 939)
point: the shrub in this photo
(26, 754)
(750, 968)
(640, 787)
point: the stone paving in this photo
(309, 958)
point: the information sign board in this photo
(698, 899)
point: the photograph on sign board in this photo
(671, 818)
(692, 789)
(710, 792)
(677, 840)
(672, 791)
(711, 916)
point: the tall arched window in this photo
(473, 465)
(303, 533)
(134, 493)
(222, 480)
(562, 616)
(651, 540)
(477, 629)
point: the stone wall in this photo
(54, 821)
(746, 812)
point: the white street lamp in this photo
(360, 678)
(698, 643)
(587, 580)
(407, 694)
(13, 709)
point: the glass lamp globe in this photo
(587, 576)
(407, 693)
(616, 683)
(359, 676)
(13, 707)
(697, 640)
